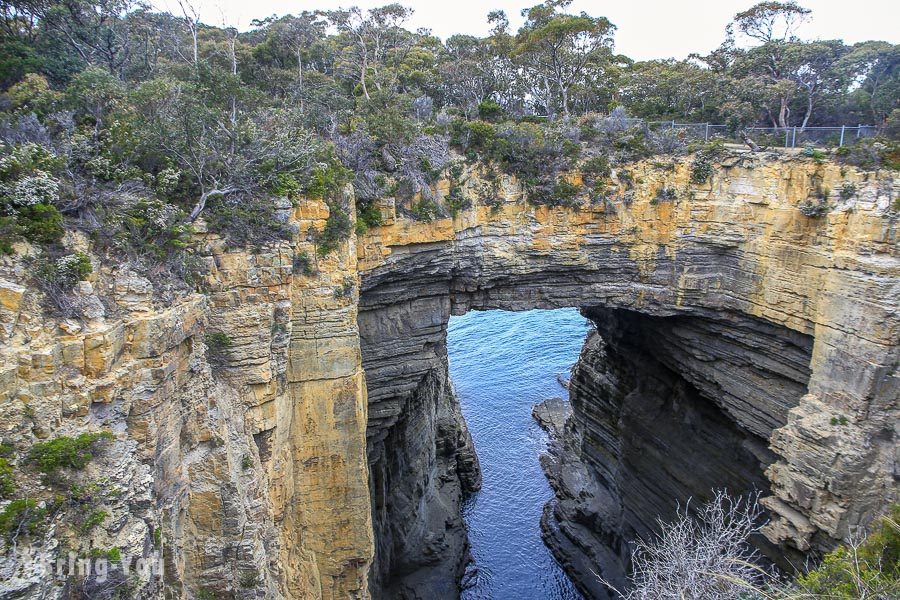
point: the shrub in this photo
(425, 210)
(112, 555)
(456, 200)
(706, 556)
(871, 154)
(367, 216)
(489, 110)
(326, 181)
(10, 233)
(303, 264)
(146, 228)
(596, 166)
(848, 190)
(813, 153)
(481, 135)
(665, 194)
(95, 517)
(7, 482)
(863, 569)
(814, 207)
(217, 345)
(21, 515)
(337, 228)
(66, 452)
(38, 188)
(66, 271)
(40, 223)
(249, 579)
(243, 221)
(564, 194)
(701, 169)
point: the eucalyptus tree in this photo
(875, 69)
(559, 51)
(368, 37)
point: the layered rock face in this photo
(239, 417)
(321, 454)
(666, 410)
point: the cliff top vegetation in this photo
(130, 124)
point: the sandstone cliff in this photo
(322, 452)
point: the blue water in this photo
(502, 364)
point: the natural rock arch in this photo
(784, 321)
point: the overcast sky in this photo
(646, 28)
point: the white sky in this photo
(646, 28)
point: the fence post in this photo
(673, 123)
(841, 143)
(706, 136)
(858, 130)
(787, 133)
(794, 139)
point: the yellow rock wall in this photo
(253, 468)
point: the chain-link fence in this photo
(786, 137)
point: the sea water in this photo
(502, 364)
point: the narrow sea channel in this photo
(502, 364)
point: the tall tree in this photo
(370, 36)
(560, 50)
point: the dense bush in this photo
(367, 216)
(7, 481)
(66, 452)
(337, 228)
(871, 154)
(217, 345)
(22, 516)
(865, 569)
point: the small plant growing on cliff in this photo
(847, 191)
(367, 216)
(337, 229)
(246, 462)
(814, 153)
(665, 194)
(249, 579)
(304, 265)
(842, 420)
(425, 210)
(21, 516)
(217, 344)
(345, 290)
(66, 452)
(7, 482)
(93, 519)
(816, 206)
(701, 169)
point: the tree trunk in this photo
(201, 203)
(746, 139)
(300, 76)
(809, 107)
(362, 76)
(784, 113)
